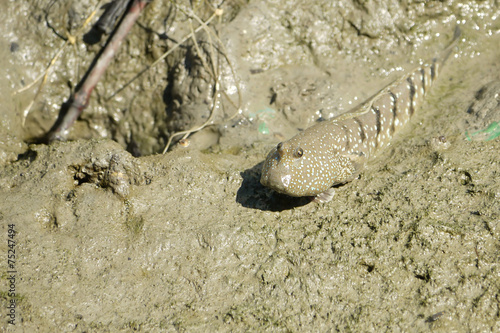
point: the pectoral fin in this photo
(325, 196)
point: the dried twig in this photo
(81, 97)
(110, 16)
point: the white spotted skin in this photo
(320, 165)
(335, 151)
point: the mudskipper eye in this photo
(298, 153)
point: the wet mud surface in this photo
(113, 236)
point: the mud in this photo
(189, 240)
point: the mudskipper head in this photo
(302, 167)
(281, 167)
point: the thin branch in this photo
(81, 98)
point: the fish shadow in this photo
(252, 194)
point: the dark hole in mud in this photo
(85, 175)
(29, 156)
(424, 277)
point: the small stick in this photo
(81, 98)
(108, 19)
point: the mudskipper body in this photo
(333, 152)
